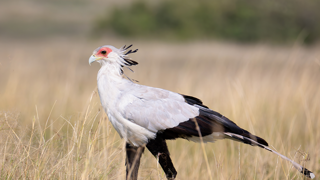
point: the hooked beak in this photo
(93, 58)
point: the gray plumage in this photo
(147, 116)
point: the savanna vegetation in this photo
(52, 125)
(239, 20)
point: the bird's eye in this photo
(103, 52)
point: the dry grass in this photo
(52, 126)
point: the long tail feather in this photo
(300, 168)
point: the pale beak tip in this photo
(92, 59)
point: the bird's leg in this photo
(158, 147)
(133, 155)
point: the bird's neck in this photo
(113, 70)
(110, 77)
(110, 84)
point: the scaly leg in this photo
(133, 161)
(158, 147)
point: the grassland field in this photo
(52, 125)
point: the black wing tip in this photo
(262, 141)
(254, 137)
(193, 100)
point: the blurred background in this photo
(256, 62)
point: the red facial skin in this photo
(101, 54)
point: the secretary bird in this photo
(147, 116)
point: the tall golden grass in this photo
(52, 125)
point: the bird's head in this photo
(110, 55)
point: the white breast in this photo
(110, 91)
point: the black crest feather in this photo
(128, 61)
(125, 48)
(130, 51)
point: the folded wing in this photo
(156, 109)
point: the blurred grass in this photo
(234, 20)
(52, 125)
(238, 20)
(37, 19)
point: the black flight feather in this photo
(209, 121)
